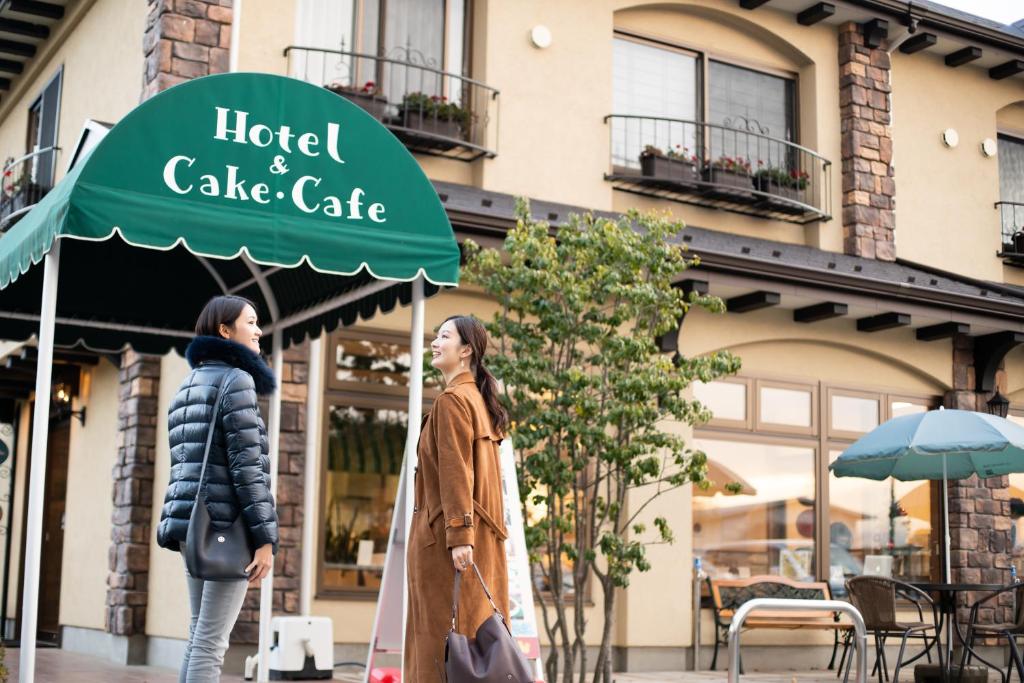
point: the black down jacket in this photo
(238, 471)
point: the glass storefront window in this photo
(790, 407)
(879, 527)
(725, 400)
(854, 413)
(364, 460)
(768, 527)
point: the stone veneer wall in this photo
(868, 185)
(979, 509)
(128, 580)
(185, 39)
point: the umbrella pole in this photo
(946, 567)
(267, 584)
(37, 477)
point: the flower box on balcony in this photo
(434, 114)
(429, 124)
(366, 98)
(781, 183)
(675, 166)
(727, 178)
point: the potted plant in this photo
(781, 182)
(729, 171)
(368, 97)
(434, 114)
(675, 164)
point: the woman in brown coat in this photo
(458, 515)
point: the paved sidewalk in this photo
(59, 666)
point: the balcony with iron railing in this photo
(431, 110)
(735, 167)
(25, 182)
(1011, 216)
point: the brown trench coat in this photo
(458, 502)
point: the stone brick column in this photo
(185, 39)
(868, 186)
(979, 509)
(290, 469)
(128, 580)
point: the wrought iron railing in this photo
(26, 180)
(431, 110)
(1011, 216)
(735, 167)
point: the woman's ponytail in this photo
(488, 386)
(472, 332)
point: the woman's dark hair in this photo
(472, 332)
(221, 310)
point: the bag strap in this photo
(213, 421)
(458, 588)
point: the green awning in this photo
(269, 171)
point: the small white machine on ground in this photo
(302, 649)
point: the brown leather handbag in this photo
(492, 656)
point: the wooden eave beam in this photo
(942, 331)
(35, 8)
(13, 47)
(822, 311)
(882, 321)
(753, 301)
(815, 13)
(875, 32)
(918, 42)
(964, 56)
(1006, 69)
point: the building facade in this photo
(851, 175)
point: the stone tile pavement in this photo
(59, 666)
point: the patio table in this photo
(947, 611)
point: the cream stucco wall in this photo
(102, 78)
(945, 196)
(168, 612)
(92, 455)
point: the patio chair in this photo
(875, 597)
(1010, 630)
(912, 598)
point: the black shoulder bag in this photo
(212, 554)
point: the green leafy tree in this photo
(581, 308)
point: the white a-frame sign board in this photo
(389, 624)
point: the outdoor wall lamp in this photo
(998, 405)
(60, 404)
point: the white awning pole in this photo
(37, 485)
(413, 431)
(267, 585)
(311, 467)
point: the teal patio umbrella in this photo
(939, 444)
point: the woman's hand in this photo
(462, 557)
(262, 563)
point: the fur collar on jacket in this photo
(204, 348)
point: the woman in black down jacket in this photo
(237, 480)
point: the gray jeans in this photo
(215, 607)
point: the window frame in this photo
(358, 395)
(775, 428)
(746, 424)
(822, 439)
(704, 57)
